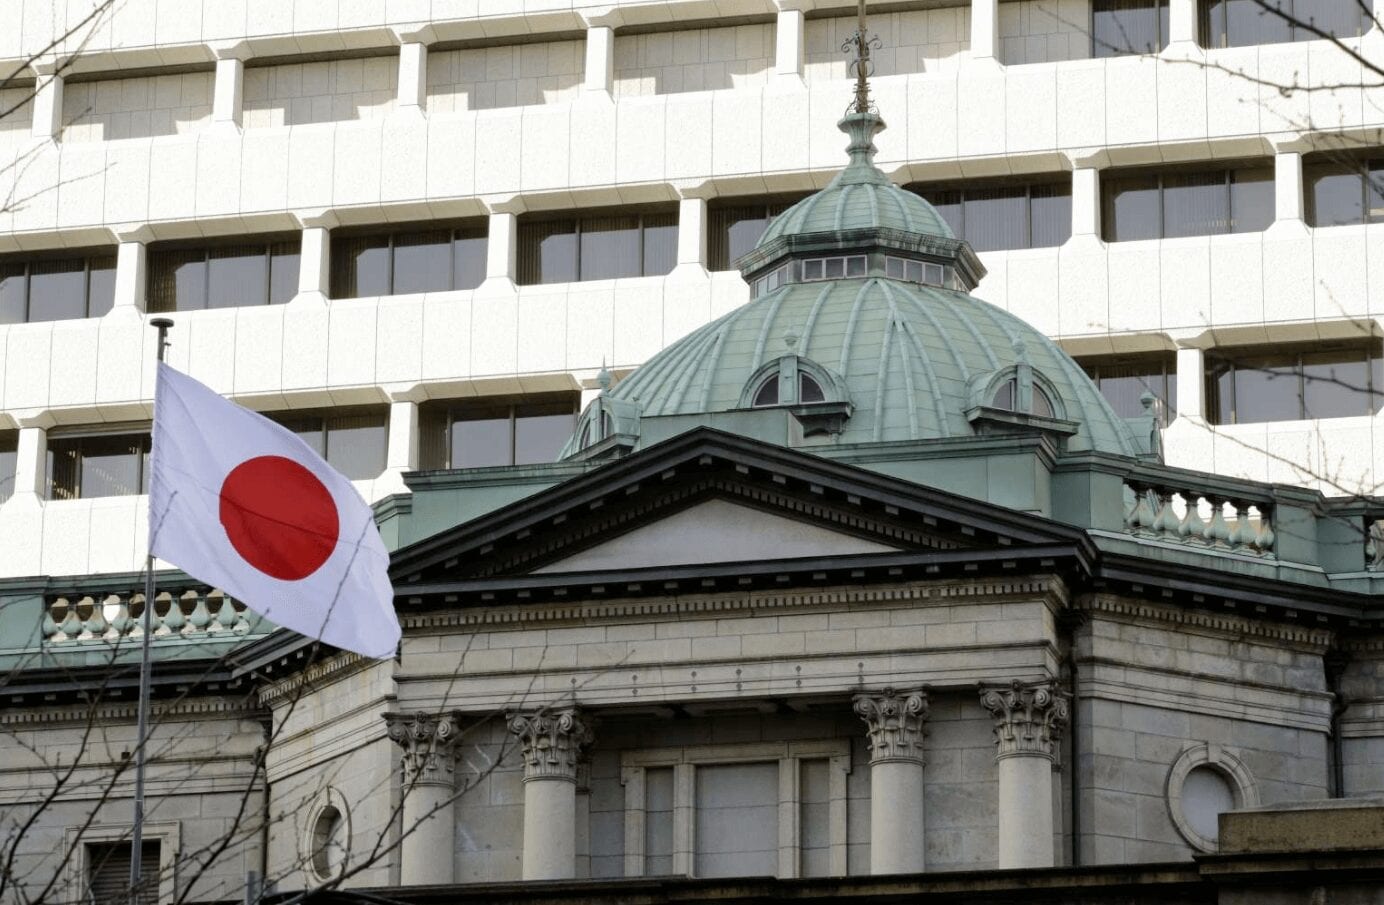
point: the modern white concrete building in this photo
(388, 216)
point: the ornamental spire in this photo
(860, 44)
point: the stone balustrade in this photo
(1199, 518)
(117, 617)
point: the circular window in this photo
(1205, 782)
(328, 839)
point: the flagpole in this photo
(142, 725)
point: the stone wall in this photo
(14, 127)
(699, 59)
(928, 40)
(295, 94)
(1045, 31)
(510, 75)
(111, 109)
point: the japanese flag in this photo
(243, 504)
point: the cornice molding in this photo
(1312, 639)
(334, 668)
(639, 608)
(115, 711)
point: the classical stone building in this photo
(864, 579)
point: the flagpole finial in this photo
(162, 324)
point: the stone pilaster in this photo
(555, 743)
(1029, 719)
(428, 768)
(895, 721)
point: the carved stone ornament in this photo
(895, 723)
(428, 740)
(555, 742)
(1028, 718)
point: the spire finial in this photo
(860, 43)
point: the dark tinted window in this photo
(225, 275)
(1123, 380)
(487, 434)
(408, 261)
(734, 229)
(1168, 205)
(1287, 384)
(9, 460)
(353, 441)
(1005, 215)
(99, 465)
(1241, 23)
(1342, 189)
(53, 289)
(1128, 26)
(597, 247)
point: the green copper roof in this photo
(908, 354)
(860, 197)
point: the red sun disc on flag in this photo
(279, 517)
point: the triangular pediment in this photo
(713, 531)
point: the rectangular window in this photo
(1246, 386)
(1121, 27)
(1242, 23)
(488, 434)
(835, 268)
(408, 261)
(735, 228)
(108, 873)
(658, 822)
(86, 466)
(917, 271)
(814, 819)
(597, 247)
(56, 289)
(9, 461)
(1005, 215)
(1124, 379)
(353, 441)
(261, 271)
(1177, 203)
(1343, 190)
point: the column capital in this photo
(895, 723)
(428, 740)
(555, 742)
(1029, 717)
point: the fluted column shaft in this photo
(1028, 723)
(555, 741)
(428, 765)
(895, 724)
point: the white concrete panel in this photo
(259, 350)
(360, 13)
(21, 537)
(890, 94)
(208, 335)
(1340, 265)
(590, 326)
(404, 159)
(36, 187)
(1282, 66)
(72, 363)
(1232, 97)
(28, 351)
(1293, 453)
(119, 357)
(1346, 452)
(1374, 260)
(1033, 290)
(173, 168)
(127, 183)
(113, 533)
(357, 164)
(66, 537)
(218, 177)
(305, 331)
(1084, 281)
(310, 160)
(1031, 109)
(399, 338)
(82, 185)
(638, 321)
(498, 137)
(268, 17)
(446, 345)
(1342, 106)
(687, 149)
(686, 306)
(451, 156)
(737, 122)
(932, 117)
(1131, 100)
(223, 19)
(641, 127)
(542, 322)
(132, 24)
(1185, 282)
(494, 333)
(264, 170)
(178, 22)
(351, 341)
(1136, 285)
(981, 127)
(1289, 275)
(1237, 279)
(543, 156)
(1182, 99)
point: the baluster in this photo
(51, 624)
(173, 621)
(1264, 538)
(1192, 527)
(1217, 532)
(242, 624)
(1166, 522)
(214, 624)
(94, 626)
(71, 624)
(197, 622)
(120, 622)
(1241, 534)
(1131, 507)
(1144, 515)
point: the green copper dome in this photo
(861, 327)
(860, 197)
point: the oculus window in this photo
(1175, 203)
(488, 434)
(1123, 27)
(734, 229)
(353, 441)
(1124, 379)
(56, 289)
(248, 272)
(1241, 23)
(1342, 191)
(1005, 215)
(1254, 385)
(9, 460)
(401, 262)
(597, 246)
(86, 466)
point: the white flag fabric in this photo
(245, 505)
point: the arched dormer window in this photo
(1008, 395)
(817, 396)
(1016, 397)
(809, 391)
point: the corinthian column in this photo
(555, 741)
(895, 724)
(429, 782)
(1028, 722)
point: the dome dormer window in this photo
(1007, 399)
(809, 391)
